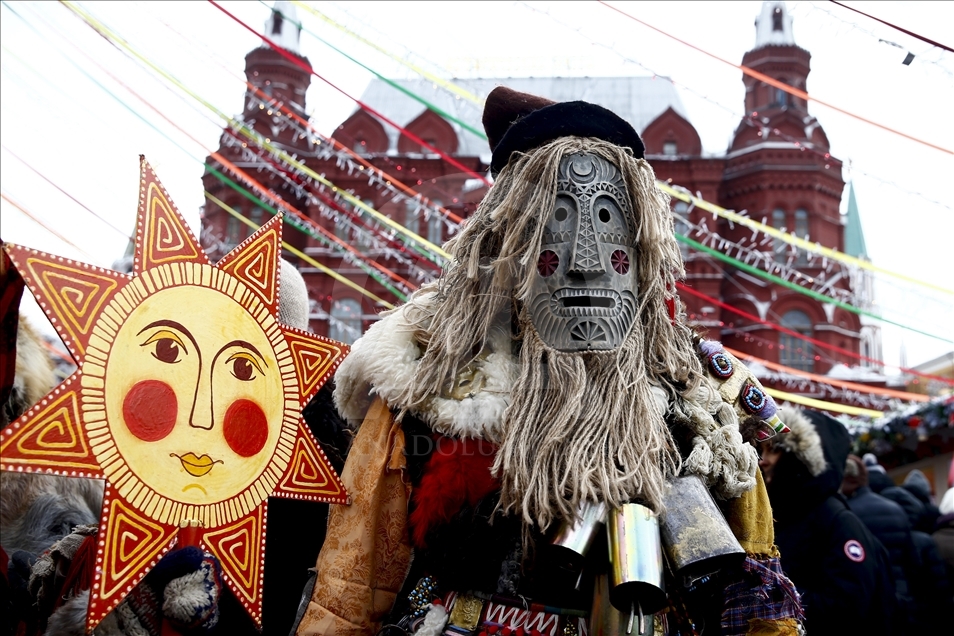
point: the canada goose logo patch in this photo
(854, 551)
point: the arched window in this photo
(801, 231)
(779, 246)
(345, 321)
(795, 352)
(781, 97)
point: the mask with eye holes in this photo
(584, 291)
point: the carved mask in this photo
(584, 290)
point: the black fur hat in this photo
(516, 121)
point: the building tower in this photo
(778, 168)
(273, 82)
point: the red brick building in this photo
(777, 169)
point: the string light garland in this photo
(309, 225)
(123, 45)
(297, 62)
(797, 288)
(766, 259)
(822, 405)
(328, 147)
(429, 105)
(858, 27)
(748, 119)
(330, 208)
(291, 248)
(806, 354)
(684, 195)
(827, 392)
(755, 319)
(762, 77)
(844, 384)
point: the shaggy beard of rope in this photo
(582, 427)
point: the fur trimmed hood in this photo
(803, 441)
(812, 466)
(384, 362)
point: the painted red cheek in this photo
(245, 428)
(150, 409)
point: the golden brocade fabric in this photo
(750, 517)
(366, 553)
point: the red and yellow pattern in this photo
(187, 400)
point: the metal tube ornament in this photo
(572, 541)
(696, 537)
(636, 562)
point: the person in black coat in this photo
(931, 585)
(878, 478)
(918, 485)
(839, 568)
(889, 523)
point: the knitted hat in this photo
(520, 122)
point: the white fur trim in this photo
(802, 440)
(384, 362)
(434, 621)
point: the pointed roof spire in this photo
(854, 235)
(283, 27)
(773, 27)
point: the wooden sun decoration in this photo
(187, 399)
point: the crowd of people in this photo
(867, 556)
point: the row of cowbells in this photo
(693, 535)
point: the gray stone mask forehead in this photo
(584, 291)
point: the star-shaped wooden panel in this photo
(187, 399)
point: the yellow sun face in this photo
(200, 402)
(187, 399)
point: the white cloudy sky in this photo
(67, 94)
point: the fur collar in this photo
(384, 361)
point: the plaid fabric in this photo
(763, 593)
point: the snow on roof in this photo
(282, 26)
(638, 100)
(773, 27)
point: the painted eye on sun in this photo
(244, 365)
(167, 346)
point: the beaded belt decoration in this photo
(499, 616)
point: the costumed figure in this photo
(546, 387)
